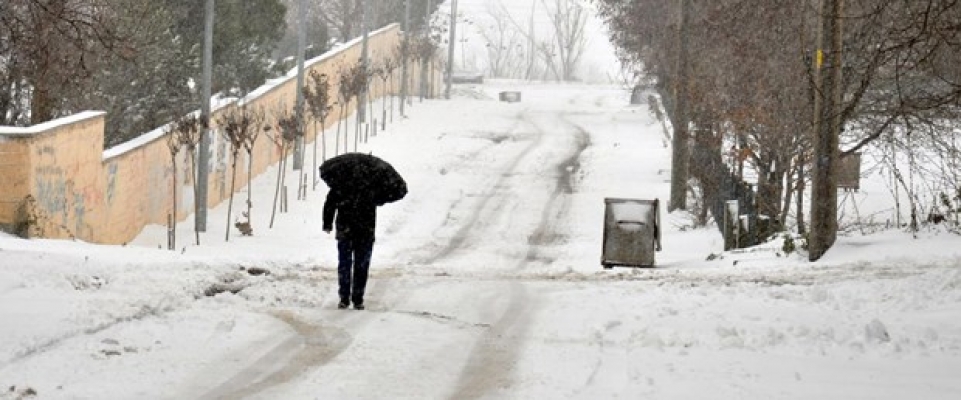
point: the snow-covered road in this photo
(511, 217)
(486, 283)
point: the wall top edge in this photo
(292, 74)
(50, 125)
(217, 103)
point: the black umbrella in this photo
(363, 177)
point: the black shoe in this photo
(343, 304)
(358, 306)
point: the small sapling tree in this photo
(318, 96)
(283, 137)
(386, 71)
(237, 125)
(174, 145)
(188, 130)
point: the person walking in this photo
(359, 183)
(356, 218)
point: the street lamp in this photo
(450, 49)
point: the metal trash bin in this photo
(632, 232)
(732, 225)
(510, 97)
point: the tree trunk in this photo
(41, 105)
(801, 230)
(337, 136)
(280, 170)
(230, 203)
(788, 196)
(173, 237)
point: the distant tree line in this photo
(516, 49)
(751, 89)
(140, 60)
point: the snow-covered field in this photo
(486, 283)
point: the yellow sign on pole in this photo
(820, 58)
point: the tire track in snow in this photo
(491, 202)
(559, 202)
(504, 190)
(311, 347)
(494, 355)
(490, 361)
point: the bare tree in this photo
(752, 86)
(386, 71)
(186, 132)
(239, 126)
(424, 48)
(46, 48)
(283, 135)
(350, 83)
(343, 16)
(250, 140)
(506, 52)
(318, 95)
(568, 20)
(174, 145)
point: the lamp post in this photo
(203, 150)
(450, 49)
(364, 63)
(299, 112)
(404, 50)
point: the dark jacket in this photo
(356, 218)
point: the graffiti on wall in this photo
(61, 196)
(111, 182)
(112, 195)
(52, 196)
(64, 201)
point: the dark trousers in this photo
(354, 263)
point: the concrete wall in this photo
(82, 191)
(13, 178)
(58, 164)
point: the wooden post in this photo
(824, 206)
(679, 153)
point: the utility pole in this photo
(362, 98)
(404, 50)
(450, 48)
(203, 158)
(679, 154)
(531, 44)
(424, 63)
(827, 122)
(299, 112)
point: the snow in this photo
(631, 216)
(50, 125)
(485, 282)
